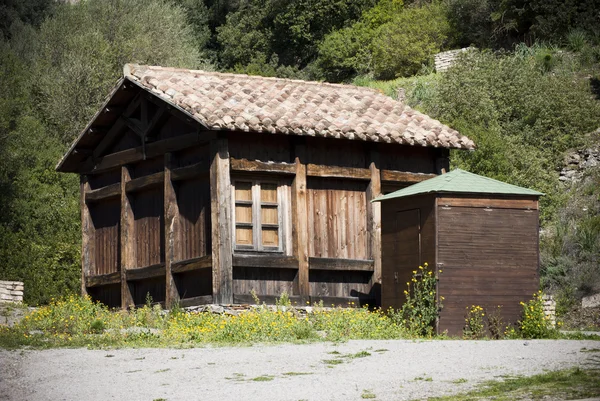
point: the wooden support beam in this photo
(374, 215)
(172, 237)
(402, 176)
(87, 235)
(341, 264)
(352, 173)
(103, 279)
(116, 129)
(152, 150)
(265, 261)
(300, 219)
(134, 125)
(262, 167)
(182, 266)
(200, 169)
(109, 191)
(128, 257)
(221, 215)
(144, 182)
(143, 273)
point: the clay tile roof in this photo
(284, 106)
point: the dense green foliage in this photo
(530, 94)
(53, 78)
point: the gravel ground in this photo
(394, 370)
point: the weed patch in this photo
(565, 384)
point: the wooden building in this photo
(201, 187)
(482, 233)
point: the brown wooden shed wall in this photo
(489, 257)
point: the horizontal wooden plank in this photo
(152, 150)
(266, 261)
(530, 204)
(194, 301)
(147, 181)
(192, 171)
(354, 173)
(262, 167)
(104, 279)
(403, 176)
(268, 299)
(109, 191)
(340, 264)
(191, 264)
(142, 273)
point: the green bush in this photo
(534, 323)
(401, 46)
(348, 51)
(474, 327)
(421, 310)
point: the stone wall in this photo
(11, 291)
(578, 162)
(444, 60)
(550, 308)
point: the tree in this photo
(81, 51)
(409, 40)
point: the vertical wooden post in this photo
(127, 240)
(220, 216)
(171, 232)
(87, 235)
(300, 220)
(374, 215)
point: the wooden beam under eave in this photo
(221, 215)
(404, 177)
(172, 237)
(262, 167)
(127, 239)
(374, 215)
(300, 219)
(146, 181)
(351, 173)
(87, 235)
(151, 150)
(109, 191)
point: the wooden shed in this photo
(201, 187)
(482, 233)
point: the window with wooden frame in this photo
(258, 216)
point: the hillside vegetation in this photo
(529, 93)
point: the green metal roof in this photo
(460, 181)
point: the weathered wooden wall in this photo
(489, 257)
(159, 207)
(337, 219)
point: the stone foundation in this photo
(11, 291)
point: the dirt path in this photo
(391, 370)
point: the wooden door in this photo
(402, 255)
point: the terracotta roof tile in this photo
(284, 106)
